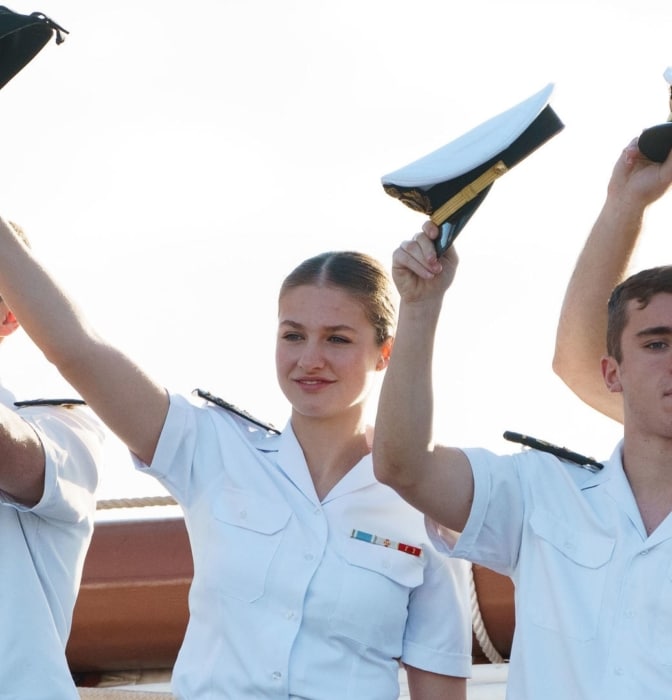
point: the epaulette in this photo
(561, 452)
(234, 409)
(67, 403)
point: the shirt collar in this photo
(290, 459)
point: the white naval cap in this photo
(450, 183)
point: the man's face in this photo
(644, 375)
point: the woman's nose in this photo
(311, 356)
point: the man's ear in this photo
(385, 352)
(611, 374)
(8, 322)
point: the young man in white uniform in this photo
(48, 474)
(590, 552)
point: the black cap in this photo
(22, 37)
(656, 141)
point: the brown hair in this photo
(639, 287)
(358, 274)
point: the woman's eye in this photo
(291, 336)
(338, 339)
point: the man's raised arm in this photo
(126, 399)
(635, 183)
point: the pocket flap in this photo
(250, 511)
(405, 569)
(586, 548)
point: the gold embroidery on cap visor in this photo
(418, 201)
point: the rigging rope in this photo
(478, 625)
(142, 502)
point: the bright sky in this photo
(171, 162)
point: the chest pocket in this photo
(565, 571)
(245, 534)
(375, 586)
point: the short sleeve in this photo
(72, 440)
(438, 632)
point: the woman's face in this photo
(326, 355)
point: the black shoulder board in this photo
(562, 452)
(234, 409)
(50, 402)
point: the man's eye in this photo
(291, 336)
(657, 345)
(338, 339)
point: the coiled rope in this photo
(478, 625)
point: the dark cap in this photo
(450, 183)
(22, 37)
(656, 141)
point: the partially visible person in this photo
(311, 579)
(636, 182)
(587, 546)
(49, 460)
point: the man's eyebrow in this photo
(654, 330)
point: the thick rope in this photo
(143, 502)
(478, 624)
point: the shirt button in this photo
(645, 551)
(308, 556)
(290, 614)
(276, 675)
(630, 613)
(618, 671)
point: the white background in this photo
(171, 162)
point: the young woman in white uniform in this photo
(293, 595)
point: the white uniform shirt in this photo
(43, 550)
(284, 603)
(593, 592)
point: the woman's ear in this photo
(385, 352)
(611, 374)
